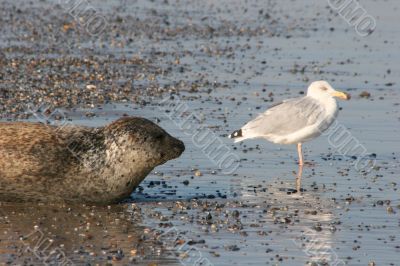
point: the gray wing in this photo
(286, 117)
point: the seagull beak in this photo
(341, 95)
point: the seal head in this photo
(139, 137)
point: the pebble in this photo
(198, 173)
(365, 94)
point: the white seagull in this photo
(295, 120)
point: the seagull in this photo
(295, 120)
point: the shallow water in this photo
(226, 76)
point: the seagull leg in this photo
(300, 171)
(298, 178)
(300, 152)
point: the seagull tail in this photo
(237, 135)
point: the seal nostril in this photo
(180, 147)
(177, 147)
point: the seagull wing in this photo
(285, 118)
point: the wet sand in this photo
(228, 61)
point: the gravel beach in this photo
(224, 62)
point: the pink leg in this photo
(299, 151)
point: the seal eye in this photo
(159, 137)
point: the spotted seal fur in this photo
(39, 162)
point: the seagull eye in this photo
(324, 89)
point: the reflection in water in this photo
(298, 178)
(309, 218)
(39, 234)
(318, 247)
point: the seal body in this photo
(104, 165)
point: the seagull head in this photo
(322, 89)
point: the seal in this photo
(101, 165)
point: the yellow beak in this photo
(341, 95)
